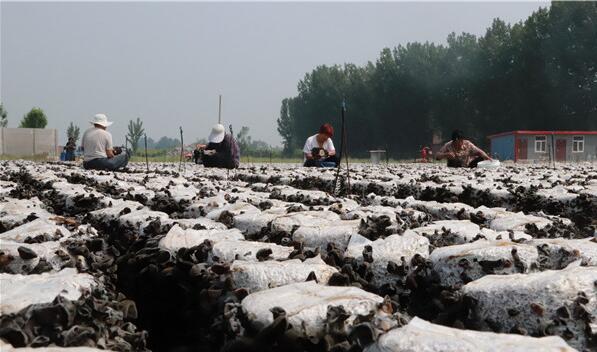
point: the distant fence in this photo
(28, 141)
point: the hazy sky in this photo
(167, 62)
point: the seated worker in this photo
(461, 152)
(222, 150)
(425, 154)
(98, 153)
(319, 149)
(70, 148)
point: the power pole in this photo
(220, 110)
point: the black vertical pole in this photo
(345, 147)
(181, 150)
(146, 159)
(342, 153)
(553, 148)
(342, 134)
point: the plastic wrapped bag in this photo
(489, 164)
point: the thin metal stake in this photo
(220, 110)
(146, 159)
(343, 153)
(553, 151)
(181, 150)
(345, 147)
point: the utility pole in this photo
(181, 150)
(146, 159)
(220, 110)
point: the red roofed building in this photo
(544, 145)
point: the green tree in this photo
(536, 74)
(167, 143)
(3, 119)
(135, 132)
(243, 139)
(73, 132)
(285, 127)
(36, 118)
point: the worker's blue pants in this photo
(117, 162)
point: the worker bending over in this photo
(461, 152)
(222, 150)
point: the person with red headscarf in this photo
(319, 149)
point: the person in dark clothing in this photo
(222, 150)
(461, 152)
(70, 148)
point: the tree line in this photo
(36, 118)
(540, 73)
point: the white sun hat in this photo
(217, 134)
(101, 119)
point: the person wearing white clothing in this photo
(98, 152)
(319, 149)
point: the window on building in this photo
(578, 144)
(540, 144)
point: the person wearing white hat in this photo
(98, 151)
(222, 150)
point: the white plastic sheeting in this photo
(20, 291)
(139, 219)
(15, 211)
(392, 248)
(376, 210)
(287, 223)
(44, 250)
(584, 249)
(195, 223)
(234, 209)
(115, 208)
(337, 232)
(306, 306)
(6, 187)
(301, 195)
(35, 228)
(178, 238)
(253, 223)
(229, 251)
(437, 209)
(4, 347)
(448, 261)
(422, 336)
(463, 229)
(258, 276)
(517, 222)
(535, 297)
(68, 192)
